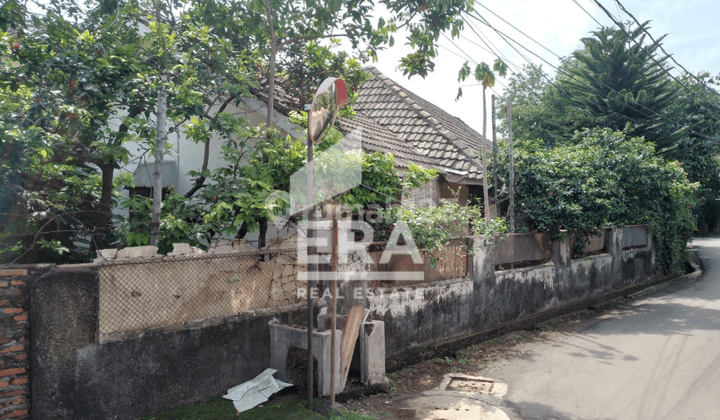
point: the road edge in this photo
(531, 322)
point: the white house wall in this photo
(184, 155)
(188, 155)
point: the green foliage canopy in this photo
(618, 81)
(241, 196)
(605, 179)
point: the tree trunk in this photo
(511, 161)
(200, 181)
(270, 98)
(160, 114)
(157, 180)
(104, 215)
(262, 235)
(271, 67)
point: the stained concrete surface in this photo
(452, 407)
(447, 403)
(658, 358)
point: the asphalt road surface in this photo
(657, 358)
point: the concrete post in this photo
(482, 273)
(615, 249)
(651, 247)
(283, 337)
(372, 353)
(562, 260)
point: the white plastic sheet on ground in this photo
(256, 391)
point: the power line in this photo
(467, 56)
(491, 47)
(567, 95)
(475, 44)
(453, 52)
(665, 70)
(469, 59)
(513, 26)
(659, 45)
(587, 13)
(519, 71)
(502, 35)
(505, 37)
(570, 98)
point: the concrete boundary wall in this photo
(422, 316)
(74, 376)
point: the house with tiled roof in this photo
(394, 120)
(391, 120)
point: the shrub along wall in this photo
(604, 178)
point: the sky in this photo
(693, 39)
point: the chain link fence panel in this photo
(141, 294)
(450, 262)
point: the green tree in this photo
(240, 198)
(68, 76)
(542, 110)
(85, 78)
(697, 120)
(61, 83)
(486, 76)
(606, 179)
(531, 115)
(617, 81)
(278, 26)
(614, 81)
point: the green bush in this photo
(605, 179)
(433, 227)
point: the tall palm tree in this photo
(486, 75)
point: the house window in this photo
(147, 192)
(475, 195)
(143, 177)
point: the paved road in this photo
(658, 358)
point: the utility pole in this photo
(486, 198)
(311, 270)
(511, 209)
(333, 320)
(495, 152)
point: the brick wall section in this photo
(14, 344)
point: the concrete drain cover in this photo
(459, 382)
(479, 386)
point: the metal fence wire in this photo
(141, 294)
(449, 262)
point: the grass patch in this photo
(349, 415)
(218, 408)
